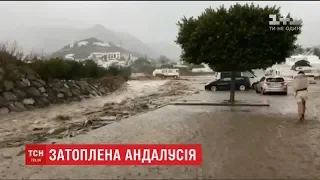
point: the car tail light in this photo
(266, 84)
(284, 84)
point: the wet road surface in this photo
(238, 142)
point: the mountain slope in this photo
(132, 43)
(51, 39)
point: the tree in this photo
(235, 39)
(166, 66)
(316, 51)
(298, 50)
(142, 65)
(141, 62)
(163, 59)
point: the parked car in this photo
(166, 73)
(272, 85)
(252, 78)
(242, 84)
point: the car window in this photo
(229, 74)
(239, 78)
(247, 74)
(226, 79)
(275, 80)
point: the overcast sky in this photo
(149, 21)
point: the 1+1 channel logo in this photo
(284, 24)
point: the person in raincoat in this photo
(300, 87)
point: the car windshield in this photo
(275, 80)
(248, 74)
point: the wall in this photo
(22, 89)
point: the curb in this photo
(219, 104)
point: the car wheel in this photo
(262, 92)
(254, 85)
(242, 88)
(213, 88)
(257, 90)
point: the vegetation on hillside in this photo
(69, 69)
(57, 68)
(142, 65)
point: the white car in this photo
(166, 73)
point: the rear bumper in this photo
(276, 89)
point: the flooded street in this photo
(237, 142)
(60, 121)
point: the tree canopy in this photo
(234, 39)
(142, 65)
(163, 59)
(316, 51)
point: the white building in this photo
(127, 56)
(112, 56)
(106, 56)
(69, 57)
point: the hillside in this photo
(51, 39)
(83, 48)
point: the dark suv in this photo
(242, 84)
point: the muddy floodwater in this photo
(237, 142)
(68, 120)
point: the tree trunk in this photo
(233, 87)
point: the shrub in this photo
(68, 69)
(58, 68)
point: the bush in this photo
(58, 68)
(142, 65)
(68, 69)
